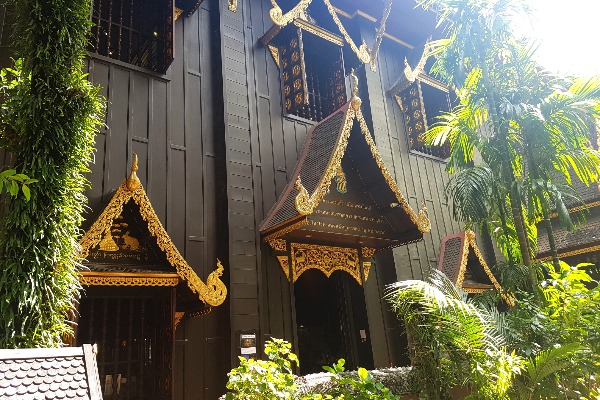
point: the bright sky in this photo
(568, 32)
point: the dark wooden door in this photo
(133, 328)
(330, 313)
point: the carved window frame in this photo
(416, 120)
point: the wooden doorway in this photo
(331, 320)
(133, 328)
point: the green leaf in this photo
(363, 374)
(26, 192)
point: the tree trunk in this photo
(514, 198)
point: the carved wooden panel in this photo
(293, 73)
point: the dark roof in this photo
(589, 194)
(65, 373)
(586, 235)
(345, 131)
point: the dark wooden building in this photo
(256, 147)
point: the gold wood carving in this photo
(178, 11)
(362, 52)
(278, 244)
(366, 268)
(212, 293)
(178, 317)
(380, 32)
(288, 229)
(299, 11)
(470, 242)
(367, 252)
(127, 279)
(421, 220)
(412, 74)
(340, 181)
(274, 53)
(233, 5)
(285, 266)
(326, 259)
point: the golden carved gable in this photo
(213, 292)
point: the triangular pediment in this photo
(463, 263)
(129, 243)
(373, 212)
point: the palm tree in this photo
(452, 341)
(526, 126)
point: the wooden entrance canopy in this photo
(467, 269)
(127, 245)
(341, 198)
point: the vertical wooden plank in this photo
(158, 145)
(117, 146)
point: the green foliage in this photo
(363, 388)
(273, 379)
(453, 341)
(560, 335)
(526, 129)
(48, 116)
(258, 379)
(10, 181)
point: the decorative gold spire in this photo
(355, 101)
(133, 182)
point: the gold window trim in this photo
(127, 279)
(213, 292)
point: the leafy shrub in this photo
(273, 379)
(258, 379)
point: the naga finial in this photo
(133, 182)
(355, 101)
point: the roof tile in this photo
(30, 374)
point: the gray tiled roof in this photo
(65, 373)
(586, 235)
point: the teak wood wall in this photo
(173, 122)
(262, 147)
(215, 151)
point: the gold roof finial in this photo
(355, 101)
(133, 182)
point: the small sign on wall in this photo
(248, 345)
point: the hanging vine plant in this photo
(48, 118)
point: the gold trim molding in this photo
(127, 279)
(471, 242)
(585, 250)
(326, 259)
(284, 263)
(213, 292)
(278, 244)
(368, 252)
(366, 268)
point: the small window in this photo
(138, 32)
(421, 102)
(312, 74)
